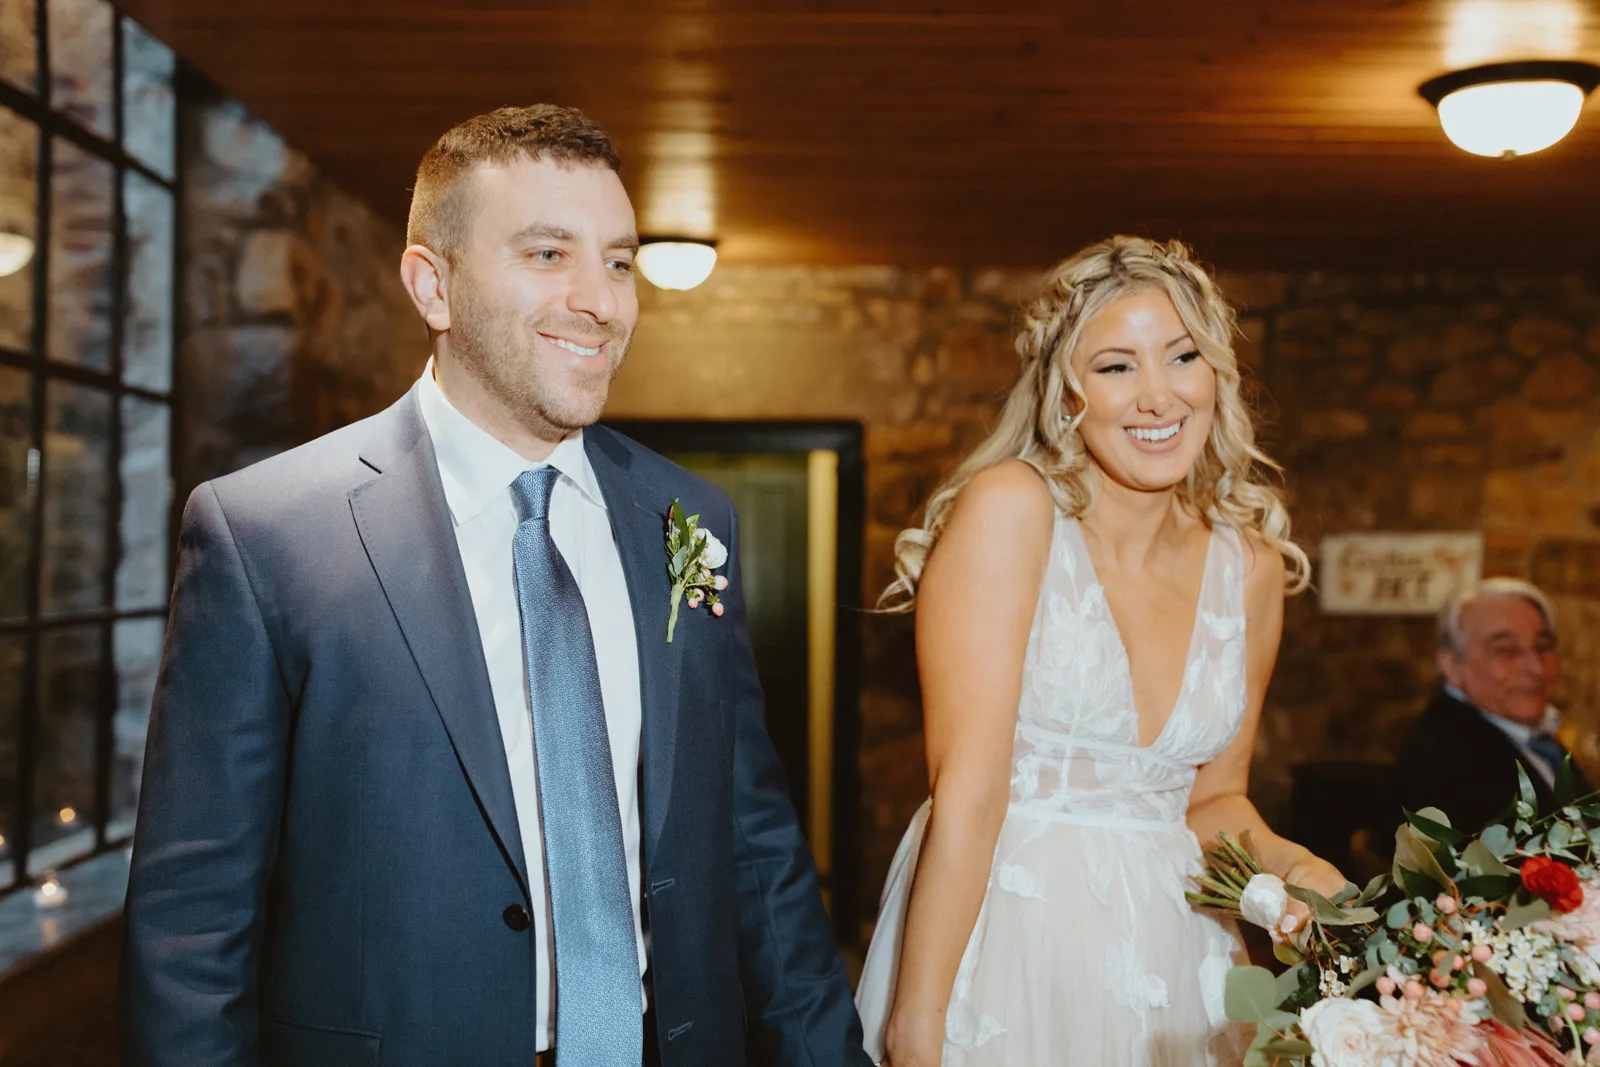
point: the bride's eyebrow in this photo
(1184, 340)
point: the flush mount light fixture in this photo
(15, 252)
(676, 263)
(1507, 110)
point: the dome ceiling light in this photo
(676, 263)
(1505, 110)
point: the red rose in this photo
(1552, 882)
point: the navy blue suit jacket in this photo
(327, 848)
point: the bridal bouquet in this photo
(1482, 951)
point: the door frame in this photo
(844, 438)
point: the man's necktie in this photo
(598, 1006)
(1546, 747)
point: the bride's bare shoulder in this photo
(1010, 488)
(1007, 504)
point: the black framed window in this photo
(88, 265)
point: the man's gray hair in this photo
(1449, 633)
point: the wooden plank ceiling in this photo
(1271, 133)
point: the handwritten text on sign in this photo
(1396, 573)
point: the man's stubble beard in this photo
(499, 350)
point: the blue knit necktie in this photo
(599, 1020)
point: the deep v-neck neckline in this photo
(1122, 645)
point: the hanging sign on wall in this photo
(1395, 573)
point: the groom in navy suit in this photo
(427, 783)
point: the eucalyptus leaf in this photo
(1364, 979)
(1519, 915)
(1374, 889)
(1399, 914)
(1525, 789)
(1419, 885)
(1488, 886)
(1497, 839)
(1387, 952)
(1250, 994)
(1480, 858)
(1435, 825)
(1507, 1008)
(1566, 789)
(1287, 1046)
(1560, 835)
(1412, 853)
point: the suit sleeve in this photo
(209, 815)
(797, 998)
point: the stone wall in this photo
(1426, 402)
(1395, 403)
(295, 320)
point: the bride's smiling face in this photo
(1151, 396)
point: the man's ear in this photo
(1450, 666)
(426, 276)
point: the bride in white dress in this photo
(1099, 596)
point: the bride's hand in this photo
(913, 1043)
(1311, 872)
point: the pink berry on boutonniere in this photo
(692, 554)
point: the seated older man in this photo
(1497, 657)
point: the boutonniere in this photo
(692, 554)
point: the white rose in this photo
(714, 554)
(1264, 901)
(1347, 1033)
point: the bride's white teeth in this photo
(570, 347)
(1155, 435)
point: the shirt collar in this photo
(476, 467)
(1519, 732)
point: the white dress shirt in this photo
(477, 471)
(1518, 734)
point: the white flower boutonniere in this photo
(692, 554)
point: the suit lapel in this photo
(638, 522)
(404, 522)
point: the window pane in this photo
(137, 648)
(19, 49)
(19, 185)
(147, 319)
(77, 489)
(63, 768)
(11, 652)
(80, 61)
(146, 500)
(80, 257)
(149, 118)
(15, 509)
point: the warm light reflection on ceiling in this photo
(679, 195)
(1487, 31)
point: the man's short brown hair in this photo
(442, 207)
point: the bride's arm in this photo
(1218, 802)
(975, 605)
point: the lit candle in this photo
(68, 816)
(50, 893)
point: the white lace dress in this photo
(1085, 953)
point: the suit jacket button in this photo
(517, 917)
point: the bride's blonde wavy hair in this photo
(1039, 422)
